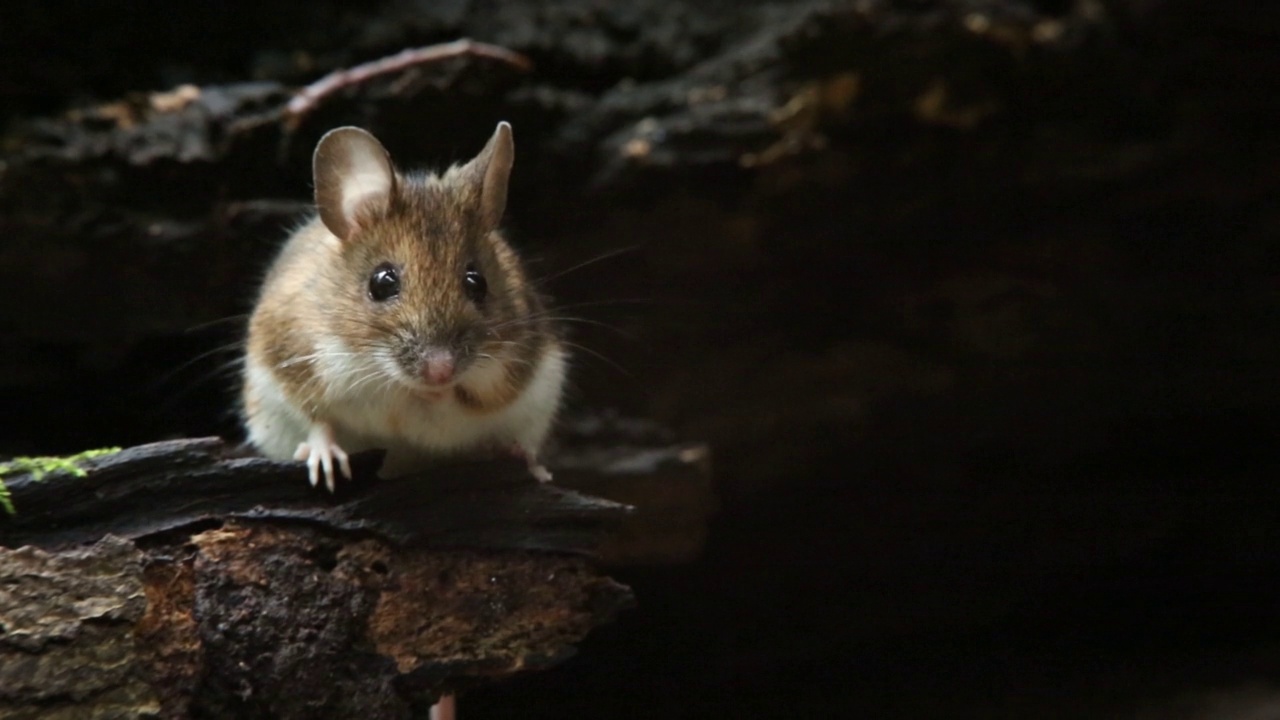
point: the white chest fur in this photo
(368, 414)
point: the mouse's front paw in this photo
(536, 469)
(540, 472)
(320, 450)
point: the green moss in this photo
(38, 467)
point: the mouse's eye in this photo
(384, 283)
(474, 285)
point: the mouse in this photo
(398, 317)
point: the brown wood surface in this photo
(186, 578)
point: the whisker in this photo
(313, 356)
(604, 303)
(589, 351)
(588, 321)
(215, 323)
(553, 311)
(514, 360)
(515, 343)
(364, 379)
(221, 372)
(592, 261)
(206, 354)
(519, 322)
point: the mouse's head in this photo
(427, 291)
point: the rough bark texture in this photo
(148, 490)
(975, 300)
(253, 619)
(183, 579)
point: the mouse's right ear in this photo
(354, 178)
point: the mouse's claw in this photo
(320, 450)
(536, 469)
(540, 472)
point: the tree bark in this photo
(187, 579)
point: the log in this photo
(187, 578)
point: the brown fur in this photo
(430, 229)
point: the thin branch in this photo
(312, 96)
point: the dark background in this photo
(976, 302)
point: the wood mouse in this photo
(400, 318)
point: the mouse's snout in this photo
(436, 366)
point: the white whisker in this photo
(313, 356)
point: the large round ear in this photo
(491, 170)
(353, 177)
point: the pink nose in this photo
(437, 369)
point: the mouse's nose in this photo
(437, 367)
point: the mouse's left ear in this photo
(491, 170)
(354, 178)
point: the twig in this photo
(310, 97)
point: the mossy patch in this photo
(38, 467)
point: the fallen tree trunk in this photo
(183, 579)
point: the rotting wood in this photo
(184, 578)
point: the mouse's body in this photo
(399, 318)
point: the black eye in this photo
(474, 285)
(384, 283)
